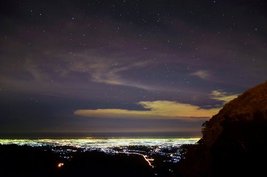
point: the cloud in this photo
(35, 71)
(162, 109)
(222, 96)
(153, 109)
(111, 72)
(202, 74)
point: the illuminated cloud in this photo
(202, 74)
(153, 109)
(222, 96)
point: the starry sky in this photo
(126, 66)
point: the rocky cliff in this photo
(234, 141)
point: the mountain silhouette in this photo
(234, 141)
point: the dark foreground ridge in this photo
(26, 161)
(234, 141)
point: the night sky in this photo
(120, 66)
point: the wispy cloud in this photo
(153, 109)
(202, 74)
(112, 71)
(111, 74)
(222, 96)
(35, 71)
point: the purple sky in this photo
(126, 65)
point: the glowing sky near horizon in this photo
(126, 65)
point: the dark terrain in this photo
(68, 161)
(25, 161)
(234, 141)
